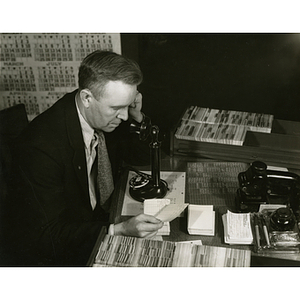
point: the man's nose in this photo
(123, 114)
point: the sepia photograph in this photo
(150, 147)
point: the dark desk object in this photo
(179, 225)
(280, 147)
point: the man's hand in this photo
(139, 226)
(135, 108)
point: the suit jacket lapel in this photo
(76, 142)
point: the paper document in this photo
(163, 210)
(277, 168)
(153, 206)
(270, 207)
(237, 228)
(193, 242)
(176, 192)
(127, 251)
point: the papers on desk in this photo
(237, 228)
(126, 251)
(176, 192)
(163, 210)
(269, 208)
(193, 242)
(201, 220)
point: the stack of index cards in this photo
(201, 220)
(237, 228)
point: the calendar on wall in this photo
(39, 68)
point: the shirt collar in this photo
(87, 130)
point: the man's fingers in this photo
(149, 227)
(148, 218)
(149, 234)
(138, 97)
(137, 100)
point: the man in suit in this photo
(59, 211)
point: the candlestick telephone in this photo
(144, 186)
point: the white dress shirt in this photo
(90, 144)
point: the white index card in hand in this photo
(163, 210)
(153, 206)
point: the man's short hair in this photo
(100, 67)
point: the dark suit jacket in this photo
(55, 222)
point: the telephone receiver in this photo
(144, 186)
(259, 185)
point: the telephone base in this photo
(149, 191)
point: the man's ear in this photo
(86, 97)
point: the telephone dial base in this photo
(141, 189)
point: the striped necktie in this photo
(105, 179)
(92, 166)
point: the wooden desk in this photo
(179, 225)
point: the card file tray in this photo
(281, 147)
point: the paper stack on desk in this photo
(201, 220)
(237, 228)
(127, 251)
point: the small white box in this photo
(201, 220)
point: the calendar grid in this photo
(38, 68)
